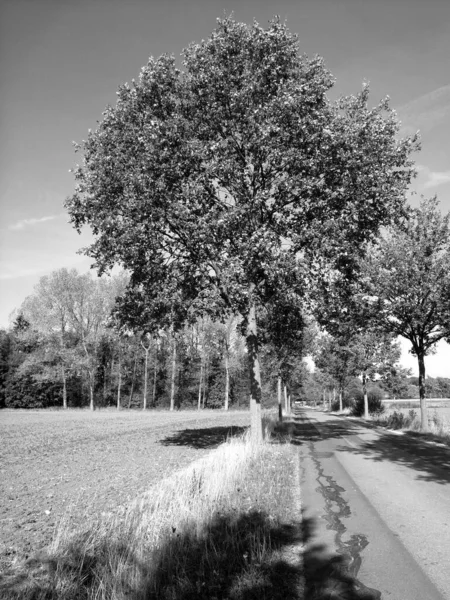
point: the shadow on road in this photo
(235, 557)
(334, 576)
(408, 448)
(204, 438)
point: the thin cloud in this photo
(432, 178)
(43, 266)
(436, 178)
(427, 111)
(22, 224)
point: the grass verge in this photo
(228, 526)
(439, 428)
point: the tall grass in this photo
(215, 529)
(438, 426)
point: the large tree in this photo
(407, 277)
(211, 183)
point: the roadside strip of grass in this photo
(228, 526)
(438, 427)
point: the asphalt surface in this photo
(376, 511)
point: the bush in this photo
(398, 420)
(375, 398)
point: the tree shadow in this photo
(202, 438)
(331, 576)
(411, 450)
(298, 430)
(245, 556)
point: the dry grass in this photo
(438, 426)
(221, 528)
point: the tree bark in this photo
(133, 378)
(227, 381)
(155, 372)
(91, 394)
(286, 405)
(146, 350)
(366, 398)
(205, 382)
(255, 375)
(341, 405)
(200, 384)
(119, 379)
(423, 401)
(174, 365)
(280, 408)
(64, 380)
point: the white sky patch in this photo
(435, 178)
(427, 111)
(23, 223)
(14, 272)
(436, 365)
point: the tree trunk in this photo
(255, 376)
(366, 398)
(280, 408)
(155, 373)
(133, 378)
(64, 381)
(200, 384)
(105, 390)
(334, 397)
(174, 365)
(286, 405)
(91, 393)
(205, 382)
(227, 381)
(146, 350)
(341, 406)
(423, 401)
(119, 379)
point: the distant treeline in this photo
(206, 355)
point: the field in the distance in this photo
(74, 465)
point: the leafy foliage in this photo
(218, 185)
(375, 403)
(407, 280)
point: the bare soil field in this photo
(69, 466)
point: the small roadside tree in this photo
(336, 357)
(374, 354)
(407, 281)
(196, 180)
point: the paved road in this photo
(376, 511)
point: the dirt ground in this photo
(72, 465)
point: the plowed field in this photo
(73, 465)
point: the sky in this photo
(62, 61)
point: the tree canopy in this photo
(214, 184)
(407, 281)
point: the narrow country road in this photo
(376, 508)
